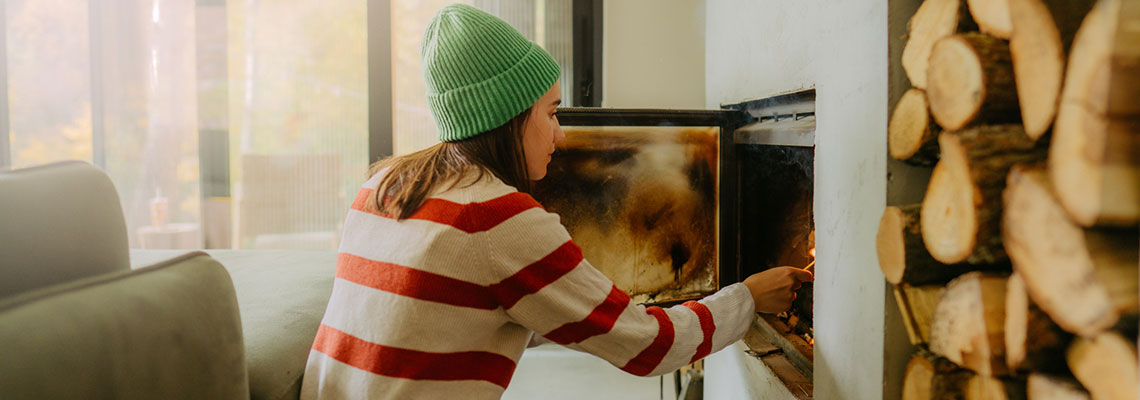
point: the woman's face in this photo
(541, 132)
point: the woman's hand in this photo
(774, 289)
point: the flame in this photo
(812, 252)
(812, 342)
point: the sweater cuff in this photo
(733, 312)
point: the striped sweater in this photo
(442, 304)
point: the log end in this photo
(961, 326)
(1016, 321)
(955, 82)
(889, 242)
(992, 17)
(918, 378)
(1042, 386)
(909, 127)
(986, 388)
(1038, 64)
(949, 220)
(1106, 365)
(1073, 167)
(933, 20)
(1050, 254)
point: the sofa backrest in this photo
(58, 222)
(167, 331)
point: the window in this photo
(224, 123)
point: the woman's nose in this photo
(558, 134)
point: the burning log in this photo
(1095, 157)
(903, 256)
(1048, 387)
(934, 20)
(1084, 279)
(1106, 365)
(911, 135)
(1032, 341)
(970, 81)
(1043, 30)
(969, 321)
(992, 16)
(916, 304)
(962, 208)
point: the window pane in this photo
(146, 77)
(49, 80)
(547, 22)
(298, 112)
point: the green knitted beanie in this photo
(480, 71)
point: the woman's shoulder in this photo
(477, 187)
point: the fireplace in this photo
(675, 204)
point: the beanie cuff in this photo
(473, 109)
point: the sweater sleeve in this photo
(547, 286)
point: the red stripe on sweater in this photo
(651, 357)
(600, 321)
(412, 364)
(470, 217)
(708, 327)
(413, 283)
(537, 275)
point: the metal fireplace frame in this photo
(784, 120)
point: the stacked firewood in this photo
(1017, 274)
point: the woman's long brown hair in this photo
(411, 178)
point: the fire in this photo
(812, 252)
(811, 342)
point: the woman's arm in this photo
(548, 287)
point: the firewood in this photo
(970, 386)
(916, 304)
(1042, 33)
(1106, 365)
(934, 20)
(903, 257)
(912, 135)
(970, 81)
(961, 212)
(1094, 160)
(1049, 387)
(969, 322)
(920, 372)
(1032, 341)
(1084, 279)
(992, 17)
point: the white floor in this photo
(554, 372)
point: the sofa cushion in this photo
(60, 222)
(282, 295)
(168, 331)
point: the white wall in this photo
(653, 54)
(757, 49)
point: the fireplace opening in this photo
(775, 157)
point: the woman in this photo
(444, 278)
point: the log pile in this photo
(1017, 274)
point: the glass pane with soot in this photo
(641, 202)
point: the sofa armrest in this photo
(168, 331)
(59, 222)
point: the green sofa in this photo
(76, 321)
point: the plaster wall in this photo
(653, 54)
(757, 49)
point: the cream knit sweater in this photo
(442, 304)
